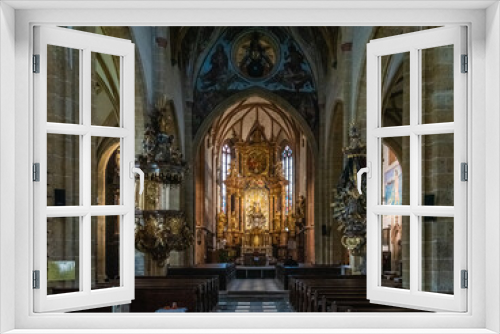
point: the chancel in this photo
(251, 140)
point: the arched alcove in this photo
(235, 125)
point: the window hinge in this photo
(36, 63)
(465, 64)
(464, 171)
(465, 279)
(36, 279)
(36, 172)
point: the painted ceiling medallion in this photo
(255, 55)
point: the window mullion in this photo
(86, 253)
(414, 169)
(86, 168)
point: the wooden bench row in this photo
(304, 290)
(283, 272)
(333, 294)
(196, 293)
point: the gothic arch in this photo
(259, 92)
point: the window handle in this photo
(362, 171)
(135, 170)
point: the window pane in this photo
(63, 255)
(437, 254)
(437, 84)
(396, 171)
(105, 89)
(63, 170)
(105, 252)
(396, 252)
(395, 89)
(63, 85)
(437, 169)
(105, 171)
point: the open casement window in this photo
(416, 151)
(74, 133)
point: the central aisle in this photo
(258, 285)
(229, 303)
(254, 295)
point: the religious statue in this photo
(221, 223)
(165, 142)
(279, 169)
(301, 207)
(234, 224)
(396, 245)
(164, 105)
(233, 171)
(151, 195)
(255, 216)
(277, 221)
(149, 143)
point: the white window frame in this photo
(484, 103)
(413, 44)
(85, 43)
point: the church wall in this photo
(337, 90)
(143, 39)
(341, 93)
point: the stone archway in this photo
(205, 140)
(267, 95)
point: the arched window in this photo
(226, 166)
(287, 160)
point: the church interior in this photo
(250, 139)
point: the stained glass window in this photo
(226, 166)
(287, 160)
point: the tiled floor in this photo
(257, 285)
(246, 304)
(254, 295)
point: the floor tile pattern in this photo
(258, 285)
(245, 304)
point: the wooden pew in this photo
(212, 288)
(284, 272)
(196, 294)
(296, 283)
(302, 288)
(335, 294)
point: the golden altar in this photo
(255, 188)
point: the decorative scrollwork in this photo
(162, 233)
(349, 208)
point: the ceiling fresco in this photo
(242, 58)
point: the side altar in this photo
(255, 221)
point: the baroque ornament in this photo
(349, 208)
(162, 234)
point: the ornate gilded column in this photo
(229, 206)
(237, 209)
